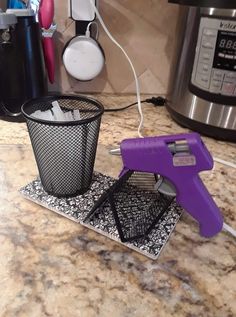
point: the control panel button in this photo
(202, 80)
(206, 56)
(216, 83)
(228, 88)
(206, 44)
(210, 32)
(215, 86)
(230, 77)
(218, 75)
(204, 68)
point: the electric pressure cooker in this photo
(202, 91)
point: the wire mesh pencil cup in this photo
(64, 150)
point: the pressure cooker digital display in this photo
(225, 52)
(226, 41)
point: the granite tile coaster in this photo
(78, 207)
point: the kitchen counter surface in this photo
(50, 266)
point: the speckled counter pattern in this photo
(50, 266)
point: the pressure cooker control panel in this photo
(214, 68)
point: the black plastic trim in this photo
(81, 27)
(226, 4)
(211, 97)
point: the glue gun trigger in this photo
(165, 187)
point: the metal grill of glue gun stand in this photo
(135, 204)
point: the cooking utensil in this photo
(49, 51)
(44, 10)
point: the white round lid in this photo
(83, 58)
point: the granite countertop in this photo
(51, 266)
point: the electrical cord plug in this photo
(157, 101)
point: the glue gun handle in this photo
(196, 200)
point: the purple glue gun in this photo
(178, 159)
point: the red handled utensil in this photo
(46, 13)
(49, 52)
(45, 17)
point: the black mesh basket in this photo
(65, 150)
(135, 203)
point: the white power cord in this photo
(131, 65)
(87, 33)
(229, 229)
(218, 160)
(226, 227)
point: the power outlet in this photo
(81, 10)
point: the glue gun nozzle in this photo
(115, 151)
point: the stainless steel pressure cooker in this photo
(202, 91)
